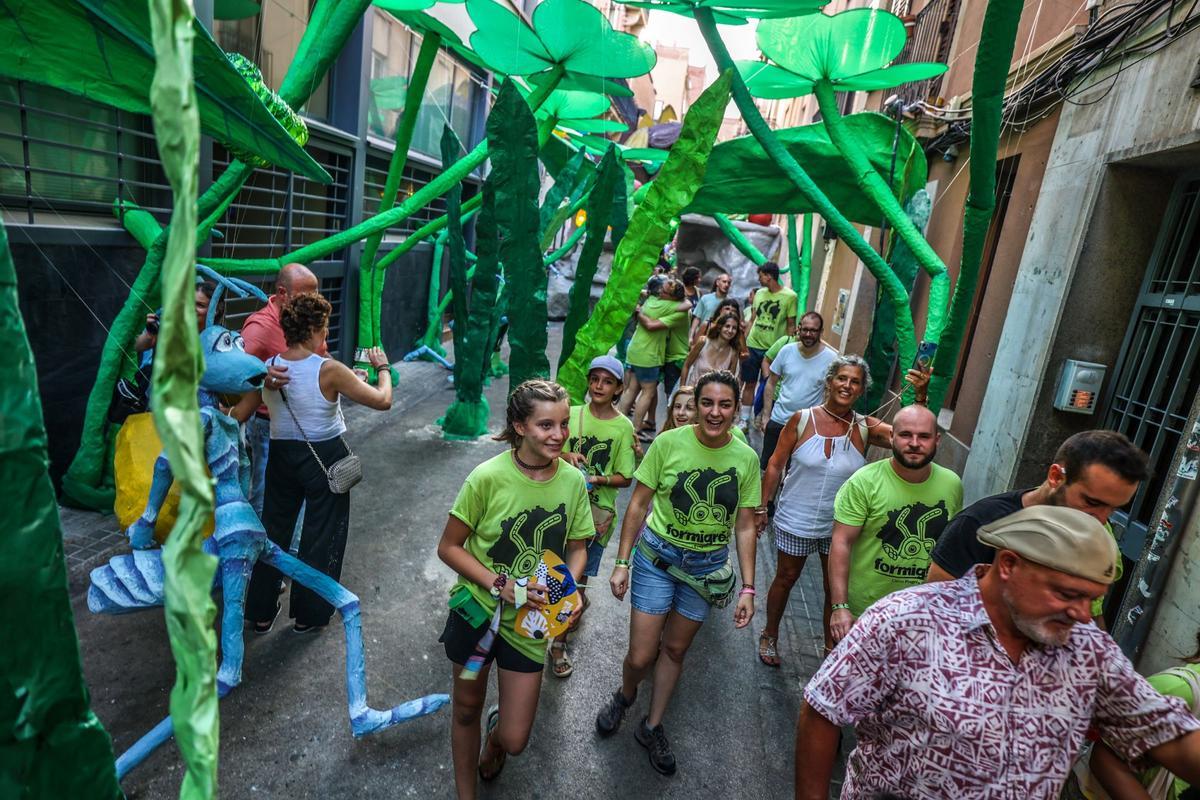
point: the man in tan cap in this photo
(984, 687)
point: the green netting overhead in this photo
(852, 50)
(101, 50)
(742, 179)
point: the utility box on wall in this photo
(1078, 387)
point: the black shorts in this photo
(460, 640)
(752, 366)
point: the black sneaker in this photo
(655, 741)
(610, 716)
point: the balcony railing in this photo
(931, 37)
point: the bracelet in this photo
(758, 512)
(747, 590)
(840, 607)
(498, 585)
(623, 562)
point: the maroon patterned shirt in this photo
(941, 711)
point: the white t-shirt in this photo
(801, 380)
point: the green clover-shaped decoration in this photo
(570, 33)
(851, 50)
(732, 12)
(411, 14)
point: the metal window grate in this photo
(63, 155)
(1157, 375)
(930, 41)
(332, 288)
(414, 178)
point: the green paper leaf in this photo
(772, 82)
(595, 125)
(888, 77)
(742, 179)
(650, 155)
(585, 83)
(733, 12)
(833, 47)
(394, 6)
(235, 9)
(504, 41)
(565, 104)
(684, 10)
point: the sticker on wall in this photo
(839, 311)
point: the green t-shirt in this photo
(771, 313)
(513, 518)
(900, 522)
(739, 434)
(678, 343)
(698, 489)
(649, 348)
(1172, 685)
(608, 446)
(780, 343)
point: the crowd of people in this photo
(965, 646)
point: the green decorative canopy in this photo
(732, 12)
(851, 50)
(568, 33)
(101, 50)
(742, 179)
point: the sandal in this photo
(490, 770)
(560, 664)
(261, 628)
(768, 650)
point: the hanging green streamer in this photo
(793, 245)
(599, 212)
(178, 365)
(451, 147)
(739, 240)
(513, 142)
(805, 263)
(576, 172)
(649, 229)
(565, 248)
(996, 42)
(51, 744)
(887, 280)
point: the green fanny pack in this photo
(715, 588)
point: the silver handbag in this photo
(344, 473)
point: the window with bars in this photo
(62, 156)
(1157, 376)
(414, 177)
(332, 288)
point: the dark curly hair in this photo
(302, 316)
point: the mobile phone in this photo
(925, 353)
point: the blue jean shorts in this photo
(655, 592)
(595, 552)
(646, 374)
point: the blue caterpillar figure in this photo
(135, 581)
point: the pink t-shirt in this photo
(262, 334)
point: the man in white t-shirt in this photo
(708, 303)
(799, 373)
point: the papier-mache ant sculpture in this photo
(135, 581)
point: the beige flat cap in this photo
(1057, 537)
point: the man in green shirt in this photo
(887, 517)
(773, 314)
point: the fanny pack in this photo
(714, 588)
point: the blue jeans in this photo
(655, 591)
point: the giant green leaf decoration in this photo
(741, 178)
(732, 12)
(649, 229)
(101, 50)
(852, 50)
(570, 33)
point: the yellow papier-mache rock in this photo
(137, 448)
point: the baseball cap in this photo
(609, 365)
(1057, 537)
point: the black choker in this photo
(530, 467)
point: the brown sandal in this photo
(490, 770)
(768, 650)
(561, 664)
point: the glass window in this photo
(391, 48)
(462, 103)
(435, 108)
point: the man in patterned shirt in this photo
(985, 687)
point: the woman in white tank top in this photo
(820, 448)
(719, 349)
(306, 412)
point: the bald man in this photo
(262, 334)
(887, 517)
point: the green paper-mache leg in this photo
(787, 164)
(437, 225)
(51, 743)
(457, 245)
(805, 263)
(565, 248)
(996, 42)
(178, 364)
(793, 245)
(649, 229)
(513, 141)
(739, 240)
(599, 212)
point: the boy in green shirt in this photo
(600, 445)
(773, 314)
(648, 349)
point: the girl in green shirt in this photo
(510, 509)
(705, 487)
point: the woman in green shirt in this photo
(704, 484)
(510, 509)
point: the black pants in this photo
(770, 439)
(671, 372)
(294, 478)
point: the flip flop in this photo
(490, 770)
(768, 648)
(261, 628)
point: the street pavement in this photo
(285, 731)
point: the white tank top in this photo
(805, 504)
(320, 418)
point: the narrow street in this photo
(285, 731)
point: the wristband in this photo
(498, 585)
(623, 562)
(521, 592)
(747, 590)
(840, 607)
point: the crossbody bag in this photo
(342, 474)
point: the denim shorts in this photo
(595, 552)
(752, 365)
(646, 374)
(655, 592)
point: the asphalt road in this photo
(285, 730)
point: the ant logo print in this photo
(524, 536)
(598, 452)
(705, 497)
(769, 310)
(910, 532)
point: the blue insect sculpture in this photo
(135, 581)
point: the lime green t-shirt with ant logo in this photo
(698, 489)
(513, 518)
(607, 444)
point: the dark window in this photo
(413, 179)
